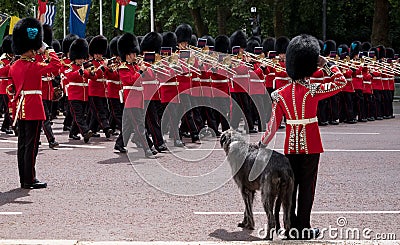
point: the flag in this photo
(79, 13)
(124, 15)
(46, 12)
(4, 20)
(13, 21)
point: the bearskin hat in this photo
(321, 45)
(329, 46)
(66, 43)
(390, 53)
(355, 48)
(98, 45)
(113, 46)
(222, 44)
(343, 50)
(268, 44)
(169, 40)
(258, 38)
(210, 40)
(302, 56)
(139, 39)
(183, 33)
(281, 44)
(381, 52)
(238, 38)
(56, 45)
(374, 49)
(27, 35)
(251, 44)
(193, 40)
(127, 44)
(79, 49)
(6, 47)
(151, 42)
(47, 34)
(366, 46)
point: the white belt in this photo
(271, 74)
(23, 93)
(155, 82)
(188, 75)
(349, 79)
(133, 88)
(302, 121)
(100, 80)
(241, 76)
(283, 78)
(171, 84)
(367, 82)
(220, 81)
(79, 84)
(257, 80)
(379, 78)
(115, 82)
(26, 92)
(196, 79)
(359, 76)
(205, 80)
(46, 79)
(386, 78)
(317, 78)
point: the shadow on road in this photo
(12, 195)
(243, 235)
(122, 158)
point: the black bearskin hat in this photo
(79, 49)
(329, 46)
(56, 45)
(366, 46)
(281, 44)
(390, 53)
(381, 52)
(6, 47)
(251, 44)
(222, 44)
(27, 35)
(238, 38)
(355, 48)
(321, 45)
(268, 44)
(66, 43)
(169, 40)
(98, 45)
(139, 39)
(183, 33)
(302, 56)
(342, 50)
(127, 44)
(47, 34)
(151, 42)
(193, 40)
(113, 46)
(210, 40)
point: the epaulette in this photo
(123, 66)
(275, 96)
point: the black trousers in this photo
(359, 104)
(334, 107)
(187, 121)
(7, 119)
(262, 110)
(133, 123)
(98, 113)
(305, 168)
(170, 119)
(206, 108)
(116, 108)
(388, 105)
(221, 105)
(323, 114)
(243, 110)
(198, 113)
(28, 146)
(152, 121)
(48, 131)
(378, 103)
(369, 102)
(67, 113)
(78, 111)
(347, 112)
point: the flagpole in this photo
(101, 17)
(64, 21)
(151, 16)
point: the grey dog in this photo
(256, 168)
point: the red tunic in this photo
(348, 74)
(203, 86)
(151, 85)
(220, 83)
(47, 81)
(367, 81)
(269, 76)
(98, 83)
(77, 85)
(168, 85)
(114, 84)
(133, 90)
(299, 103)
(241, 79)
(257, 80)
(27, 77)
(318, 76)
(358, 79)
(377, 80)
(4, 69)
(281, 77)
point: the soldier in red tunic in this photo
(5, 60)
(268, 46)
(298, 101)
(26, 76)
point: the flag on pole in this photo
(4, 20)
(46, 12)
(79, 13)
(123, 14)
(13, 21)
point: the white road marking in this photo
(325, 150)
(314, 212)
(63, 145)
(10, 213)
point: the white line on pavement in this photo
(326, 150)
(10, 213)
(314, 212)
(63, 145)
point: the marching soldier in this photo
(324, 105)
(5, 60)
(377, 86)
(281, 77)
(355, 49)
(268, 46)
(26, 76)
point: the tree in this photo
(380, 24)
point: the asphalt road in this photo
(94, 194)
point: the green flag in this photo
(4, 20)
(124, 15)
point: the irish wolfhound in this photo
(256, 168)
